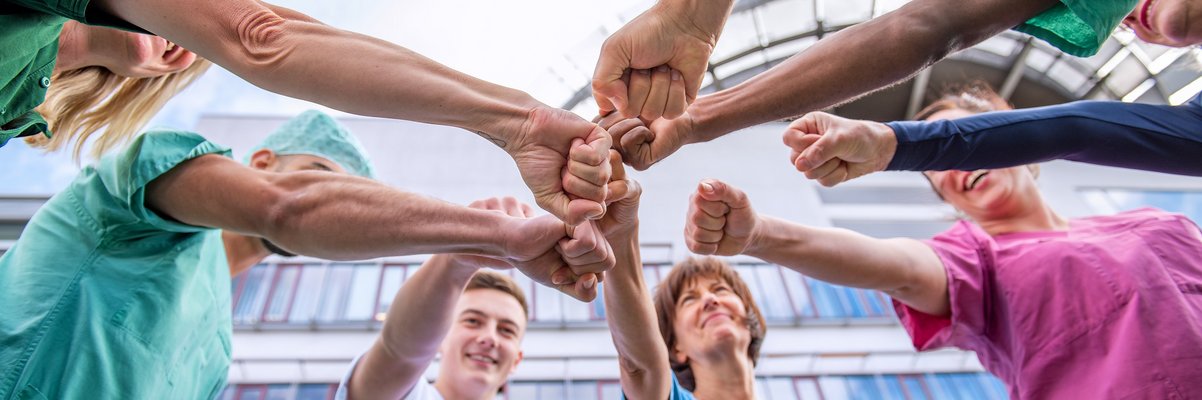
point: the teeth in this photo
(974, 179)
(170, 46)
(482, 359)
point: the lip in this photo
(1143, 14)
(481, 363)
(712, 317)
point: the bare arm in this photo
(642, 355)
(420, 316)
(858, 60)
(906, 269)
(721, 221)
(286, 52)
(328, 215)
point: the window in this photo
(1109, 201)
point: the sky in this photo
(512, 43)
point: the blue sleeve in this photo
(1157, 138)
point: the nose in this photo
(709, 301)
(488, 339)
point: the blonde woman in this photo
(283, 50)
(91, 78)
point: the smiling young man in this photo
(475, 319)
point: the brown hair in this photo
(485, 279)
(84, 101)
(975, 96)
(682, 275)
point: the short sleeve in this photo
(965, 261)
(124, 175)
(1078, 27)
(76, 10)
(422, 390)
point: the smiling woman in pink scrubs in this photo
(1089, 308)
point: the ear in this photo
(518, 360)
(264, 160)
(678, 355)
(1034, 169)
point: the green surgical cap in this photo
(317, 134)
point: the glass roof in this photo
(762, 33)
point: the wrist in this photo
(507, 116)
(454, 266)
(701, 18)
(760, 235)
(886, 140)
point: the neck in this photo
(728, 376)
(73, 50)
(1038, 218)
(450, 391)
(242, 252)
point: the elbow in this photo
(935, 35)
(262, 41)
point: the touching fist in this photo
(642, 146)
(720, 220)
(833, 149)
(564, 161)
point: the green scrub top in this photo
(103, 298)
(28, 47)
(1078, 27)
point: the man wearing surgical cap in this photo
(119, 286)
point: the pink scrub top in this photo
(1110, 309)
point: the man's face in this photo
(483, 346)
(305, 162)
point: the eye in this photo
(686, 299)
(509, 332)
(471, 321)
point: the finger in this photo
(636, 147)
(596, 175)
(563, 276)
(715, 190)
(512, 207)
(583, 189)
(609, 89)
(574, 248)
(613, 119)
(617, 171)
(676, 103)
(838, 175)
(799, 140)
(823, 170)
(826, 148)
(527, 211)
(700, 248)
(616, 191)
(712, 208)
(637, 92)
(657, 96)
(706, 221)
(578, 211)
(583, 289)
(702, 235)
(595, 148)
(621, 127)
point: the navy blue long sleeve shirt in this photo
(1157, 138)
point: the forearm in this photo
(838, 256)
(343, 218)
(707, 16)
(857, 60)
(299, 57)
(1139, 136)
(418, 319)
(633, 324)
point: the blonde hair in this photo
(84, 101)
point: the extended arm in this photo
(420, 316)
(642, 355)
(1140, 136)
(286, 52)
(722, 222)
(858, 60)
(329, 215)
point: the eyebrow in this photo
(483, 314)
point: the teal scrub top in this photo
(102, 298)
(28, 48)
(1078, 27)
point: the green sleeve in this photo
(1078, 27)
(122, 178)
(76, 10)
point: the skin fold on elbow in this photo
(263, 40)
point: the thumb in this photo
(823, 150)
(715, 190)
(609, 88)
